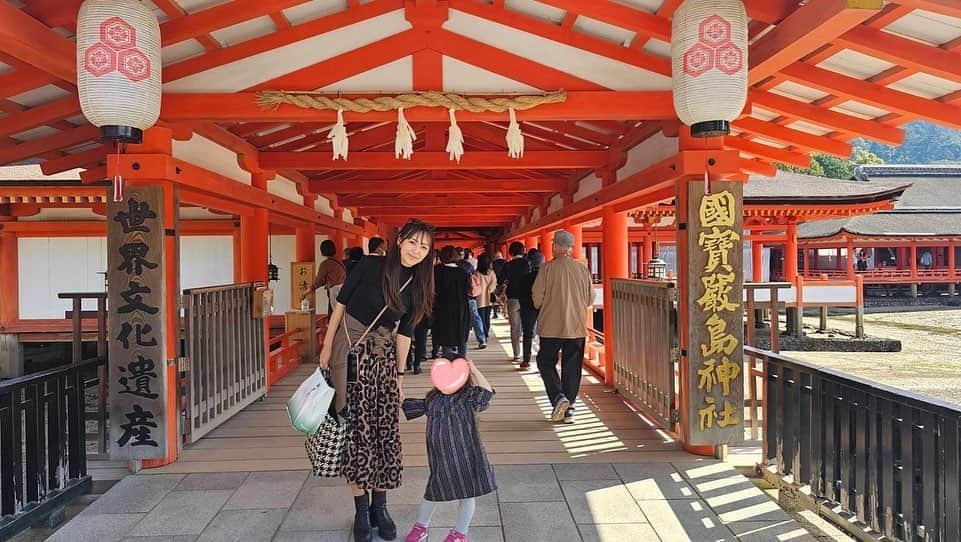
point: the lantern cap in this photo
(711, 128)
(121, 134)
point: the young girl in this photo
(459, 470)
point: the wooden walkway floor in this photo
(516, 429)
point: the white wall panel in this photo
(283, 249)
(49, 266)
(206, 260)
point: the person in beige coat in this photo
(563, 292)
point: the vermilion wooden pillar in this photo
(530, 242)
(848, 261)
(547, 246)
(757, 259)
(9, 280)
(578, 232)
(305, 243)
(614, 235)
(647, 254)
(254, 236)
(238, 253)
(952, 271)
(913, 260)
(790, 253)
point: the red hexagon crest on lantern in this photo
(729, 58)
(698, 59)
(118, 34)
(133, 64)
(714, 31)
(99, 59)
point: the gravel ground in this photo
(930, 357)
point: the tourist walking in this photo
(563, 292)
(497, 265)
(511, 275)
(529, 312)
(451, 318)
(488, 283)
(330, 275)
(387, 295)
(459, 468)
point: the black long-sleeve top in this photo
(512, 273)
(363, 296)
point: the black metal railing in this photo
(887, 457)
(43, 458)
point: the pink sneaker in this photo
(417, 534)
(454, 536)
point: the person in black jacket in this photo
(498, 265)
(528, 311)
(514, 270)
(451, 321)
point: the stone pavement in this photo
(699, 501)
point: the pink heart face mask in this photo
(449, 376)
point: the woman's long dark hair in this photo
(422, 283)
(483, 264)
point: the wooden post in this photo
(823, 323)
(952, 271)
(849, 259)
(859, 310)
(254, 234)
(578, 232)
(807, 261)
(305, 243)
(9, 279)
(615, 238)
(757, 259)
(711, 268)
(530, 242)
(547, 246)
(790, 252)
(238, 252)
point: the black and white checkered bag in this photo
(326, 447)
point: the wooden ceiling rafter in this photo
(175, 12)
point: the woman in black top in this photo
(403, 282)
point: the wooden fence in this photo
(225, 355)
(646, 352)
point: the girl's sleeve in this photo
(414, 408)
(478, 398)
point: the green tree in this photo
(825, 165)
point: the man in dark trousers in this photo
(563, 292)
(512, 275)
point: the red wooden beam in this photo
(907, 53)
(876, 95)
(805, 30)
(438, 186)
(30, 41)
(565, 35)
(433, 160)
(580, 105)
(280, 38)
(793, 137)
(348, 64)
(39, 115)
(766, 151)
(950, 8)
(505, 212)
(648, 183)
(221, 16)
(151, 167)
(483, 200)
(830, 119)
(36, 147)
(636, 20)
(75, 160)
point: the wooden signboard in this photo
(301, 277)
(138, 366)
(715, 384)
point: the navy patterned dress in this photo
(458, 463)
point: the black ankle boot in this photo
(362, 518)
(380, 518)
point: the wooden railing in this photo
(225, 355)
(886, 458)
(646, 351)
(76, 316)
(890, 275)
(284, 354)
(43, 457)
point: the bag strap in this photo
(376, 319)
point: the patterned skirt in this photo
(373, 459)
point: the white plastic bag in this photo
(309, 404)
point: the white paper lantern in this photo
(118, 67)
(709, 56)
